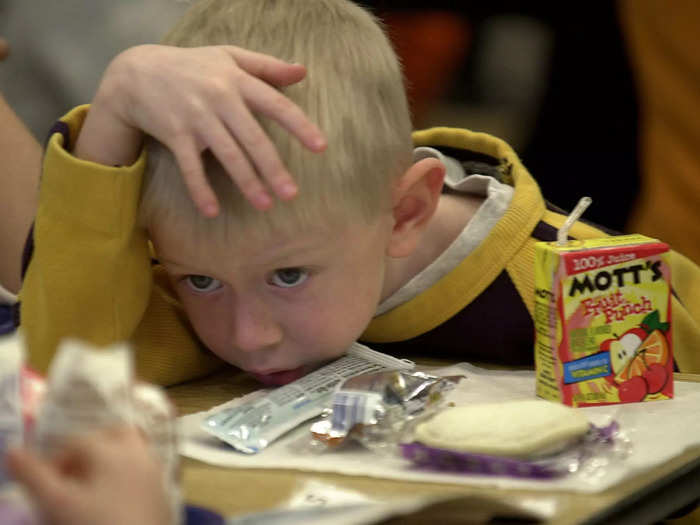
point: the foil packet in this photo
(251, 426)
(379, 409)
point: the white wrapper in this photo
(87, 389)
(155, 415)
(11, 426)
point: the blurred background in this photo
(600, 102)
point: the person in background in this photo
(19, 180)
(664, 49)
(60, 49)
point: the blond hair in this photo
(353, 91)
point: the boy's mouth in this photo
(281, 377)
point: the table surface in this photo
(643, 498)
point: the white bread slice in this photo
(511, 429)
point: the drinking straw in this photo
(563, 232)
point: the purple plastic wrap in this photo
(569, 460)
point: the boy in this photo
(428, 250)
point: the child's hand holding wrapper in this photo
(102, 449)
(108, 476)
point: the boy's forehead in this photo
(192, 248)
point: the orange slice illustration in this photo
(636, 367)
(654, 348)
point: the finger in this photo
(79, 450)
(262, 152)
(266, 100)
(37, 476)
(124, 433)
(189, 160)
(265, 67)
(279, 73)
(235, 161)
(94, 450)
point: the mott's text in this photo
(604, 279)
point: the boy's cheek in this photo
(206, 323)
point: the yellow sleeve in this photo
(90, 276)
(685, 278)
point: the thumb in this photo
(37, 476)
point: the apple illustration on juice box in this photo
(641, 360)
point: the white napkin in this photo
(657, 430)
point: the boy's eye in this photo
(289, 277)
(202, 283)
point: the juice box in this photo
(603, 321)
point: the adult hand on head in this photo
(193, 99)
(4, 49)
(108, 477)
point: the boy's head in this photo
(353, 91)
(277, 290)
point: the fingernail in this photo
(262, 200)
(211, 210)
(287, 190)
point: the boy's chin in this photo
(282, 377)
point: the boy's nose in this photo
(254, 329)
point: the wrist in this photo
(106, 137)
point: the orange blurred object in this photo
(432, 46)
(665, 51)
(4, 48)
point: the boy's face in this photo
(278, 307)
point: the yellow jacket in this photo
(91, 275)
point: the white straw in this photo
(563, 232)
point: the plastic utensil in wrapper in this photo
(11, 427)
(378, 408)
(90, 388)
(251, 427)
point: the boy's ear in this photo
(415, 199)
